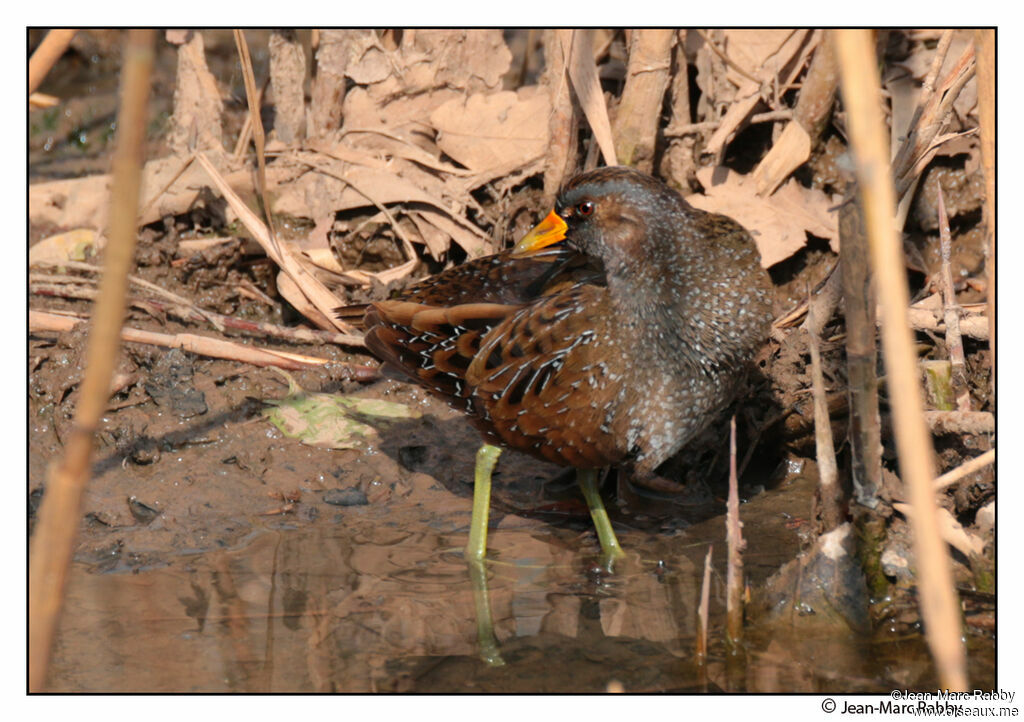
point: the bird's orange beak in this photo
(551, 230)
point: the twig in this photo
(314, 299)
(186, 311)
(951, 314)
(920, 147)
(257, 131)
(941, 50)
(960, 422)
(859, 299)
(939, 607)
(734, 541)
(828, 477)
(53, 542)
(245, 134)
(929, 118)
(968, 467)
(985, 44)
(205, 346)
(922, 319)
(770, 116)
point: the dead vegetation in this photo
(355, 160)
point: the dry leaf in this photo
(77, 245)
(484, 131)
(577, 46)
(951, 531)
(761, 53)
(779, 223)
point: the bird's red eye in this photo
(585, 208)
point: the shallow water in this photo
(360, 605)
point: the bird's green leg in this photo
(486, 457)
(485, 639)
(605, 534)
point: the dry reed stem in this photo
(859, 299)
(193, 343)
(320, 301)
(828, 473)
(328, 88)
(42, 100)
(702, 611)
(46, 55)
(868, 137)
(960, 422)
(76, 287)
(639, 111)
(923, 137)
(59, 515)
(951, 315)
(968, 467)
(985, 48)
(258, 134)
(734, 542)
(923, 319)
(681, 129)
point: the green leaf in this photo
(332, 421)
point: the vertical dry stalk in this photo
(951, 315)
(287, 80)
(328, 91)
(861, 355)
(828, 478)
(46, 55)
(861, 95)
(53, 541)
(562, 126)
(257, 130)
(677, 163)
(985, 47)
(702, 611)
(196, 123)
(636, 122)
(734, 541)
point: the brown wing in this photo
(432, 345)
(430, 333)
(495, 337)
(506, 279)
(523, 380)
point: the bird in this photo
(610, 335)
